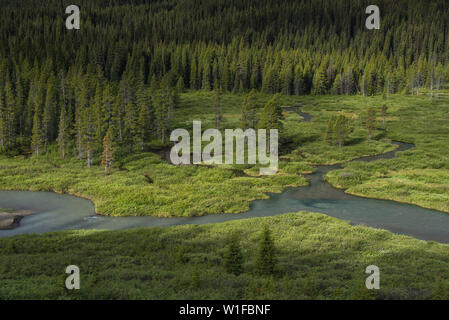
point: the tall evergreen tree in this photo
(266, 254)
(37, 137)
(249, 112)
(233, 257)
(89, 140)
(65, 132)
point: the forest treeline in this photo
(124, 69)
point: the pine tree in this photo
(233, 257)
(266, 254)
(48, 119)
(248, 118)
(108, 152)
(320, 81)
(88, 133)
(338, 87)
(65, 132)
(299, 81)
(37, 139)
(341, 130)
(271, 116)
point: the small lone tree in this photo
(108, 154)
(233, 257)
(337, 131)
(266, 256)
(371, 122)
(342, 129)
(329, 133)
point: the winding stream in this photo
(62, 212)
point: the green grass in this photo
(419, 176)
(188, 190)
(319, 257)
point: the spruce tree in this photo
(88, 133)
(64, 132)
(249, 111)
(50, 106)
(266, 254)
(233, 257)
(341, 130)
(320, 81)
(271, 118)
(37, 139)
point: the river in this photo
(55, 212)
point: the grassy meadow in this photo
(318, 257)
(420, 175)
(196, 190)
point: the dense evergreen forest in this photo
(122, 72)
